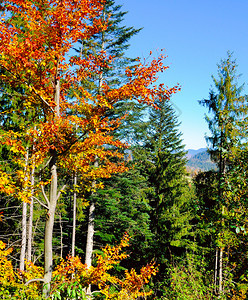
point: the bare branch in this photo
(34, 279)
(41, 203)
(63, 188)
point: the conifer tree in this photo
(227, 122)
(228, 113)
(162, 157)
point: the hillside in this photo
(193, 152)
(199, 160)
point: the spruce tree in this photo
(161, 156)
(227, 122)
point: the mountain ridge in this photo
(199, 160)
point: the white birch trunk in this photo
(90, 236)
(221, 272)
(30, 221)
(24, 236)
(61, 236)
(216, 270)
(74, 216)
(90, 232)
(24, 221)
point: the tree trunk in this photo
(61, 236)
(30, 221)
(74, 216)
(24, 220)
(48, 247)
(90, 240)
(24, 236)
(90, 235)
(216, 270)
(221, 272)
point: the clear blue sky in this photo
(196, 34)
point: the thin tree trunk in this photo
(24, 221)
(90, 240)
(74, 216)
(221, 272)
(90, 232)
(30, 221)
(221, 288)
(222, 167)
(90, 235)
(61, 236)
(24, 236)
(216, 270)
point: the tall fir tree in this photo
(227, 121)
(161, 156)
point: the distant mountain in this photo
(199, 160)
(192, 152)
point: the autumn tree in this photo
(66, 133)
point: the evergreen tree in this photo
(122, 207)
(228, 114)
(227, 122)
(162, 157)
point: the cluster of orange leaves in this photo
(131, 286)
(72, 270)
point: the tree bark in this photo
(24, 236)
(24, 221)
(216, 270)
(61, 236)
(48, 245)
(30, 221)
(221, 272)
(90, 235)
(49, 226)
(74, 216)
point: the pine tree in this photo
(227, 121)
(122, 207)
(228, 113)
(162, 157)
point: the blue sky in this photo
(196, 34)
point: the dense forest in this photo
(96, 200)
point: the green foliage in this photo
(189, 280)
(65, 290)
(160, 156)
(228, 118)
(122, 207)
